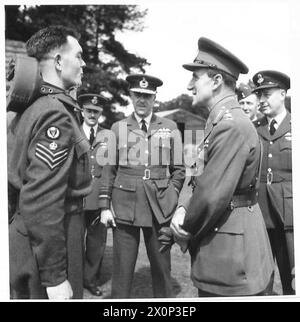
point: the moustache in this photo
(262, 106)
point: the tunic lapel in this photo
(283, 128)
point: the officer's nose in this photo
(190, 85)
(83, 64)
(262, 99)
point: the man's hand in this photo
(107, 218)
(176, 224)
(62, 291)
(165, 238)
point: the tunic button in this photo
(271, 142)
(216, 229)
(121, 186)
(270, 155)
(92, 157)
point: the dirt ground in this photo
(142, 285)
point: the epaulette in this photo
(227, 116)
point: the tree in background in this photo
(184, 102)
(107, 60)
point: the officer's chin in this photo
(198, 104)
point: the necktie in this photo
(92, 135)
(272, 127)
(144, 127)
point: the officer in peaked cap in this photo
(92, 107)
(142, 83)
(222, 222)
(248, 101)
(271, 79)
(142, 188)
(275, 193)
(213, 56)
(92, 101)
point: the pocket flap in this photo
(163, 183)
(125, 184)
(285, 144)
(233, 225)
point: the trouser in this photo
(24, 271)
(125, 250)
(282, 243)
(268, 291)
(95, 242)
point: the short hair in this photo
(229, 80)
(47, 39)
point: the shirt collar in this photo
(147, 119)
(278, 118)
(87, 129)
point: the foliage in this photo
(184, 102)
(107, 60)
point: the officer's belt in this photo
(145, 173)
(244, 200)
(275, 177)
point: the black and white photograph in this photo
(148, 151)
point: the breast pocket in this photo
(285, 147)
(161, 153)
(124, 198)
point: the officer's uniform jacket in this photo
(230, 250)
(48, 169)
(146, 184)
(275, 193)
(92, 200)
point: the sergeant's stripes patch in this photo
(50, 158)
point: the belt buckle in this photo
(269, 177)
(231, 205)
(147, 174)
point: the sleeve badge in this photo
(53, 133)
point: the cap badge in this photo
(260, 79)
(53, 132)
(144, 83)
(95, 100)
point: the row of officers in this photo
(236, 223)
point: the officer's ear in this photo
(57, 61)
(283, 93)
(217, 81)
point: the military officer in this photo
(275, 193)
(142, 188)
(248, 101)
(222, 222)
(92, 105)
(48, 168)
